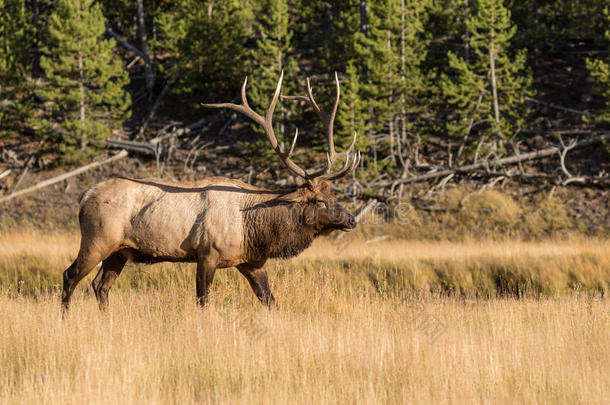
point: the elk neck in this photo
(274, 229)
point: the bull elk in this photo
(216, 222)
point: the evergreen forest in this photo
(428, 85)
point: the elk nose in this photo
(351, 222)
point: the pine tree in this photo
(15, 38)
(447, 25)
(546, 25)
(600, 70)
(360, 48)
(272, 55)
(380, 46)
(488, 92)
(207, 40)
(84, 93)
(352, 111)
(15, 43)
(273, 52)
(415, 91)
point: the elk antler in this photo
(267, 123)
(328, 121)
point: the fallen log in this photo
(145, 148)
(539, 154)
(64, 176)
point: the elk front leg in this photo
(257, 277)
(206, 268)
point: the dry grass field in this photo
(382, 322)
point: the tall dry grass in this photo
(382, 322)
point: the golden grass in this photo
(381, 322)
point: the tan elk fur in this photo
(226, 222)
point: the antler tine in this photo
(267, 124)
(351, 162)
(242, 108)
(276, 97)
(352, 143)
(313, 103)
(328, 121)
(348, 167)
(294, 142)
(331, 118)
(244, 99)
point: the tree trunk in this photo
(81, 89)
(36, 68)
(391, 100)
(364, 18)
(467, 34)
(402, 137)
(494, 84)
(149, 76)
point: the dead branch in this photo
(64, 176)
(188, 163)
(558, 107)
(127, 45)
(539, 154)
(563, 153)
(25, 171)
(5, 173)
(544, 178)
(451, 209)
(146, 148)
(588, 181)
(156, 105)
(149, 74)
(561, 132)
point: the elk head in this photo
(321, 208)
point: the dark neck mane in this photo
(276, 231)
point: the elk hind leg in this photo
(111, 269)
(84, 263)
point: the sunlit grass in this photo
(381, 322)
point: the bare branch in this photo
(558, 107)
(563, 153)
(5, 173)
(64, 176)
(539, 154)
(126, 44)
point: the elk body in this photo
(216, 222)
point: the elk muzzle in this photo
(342, 220)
